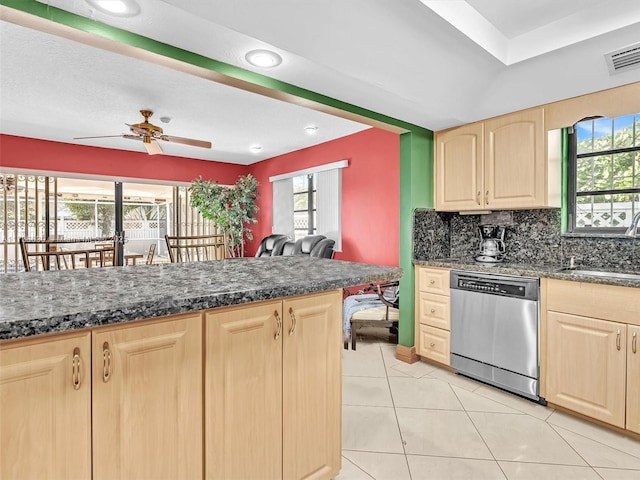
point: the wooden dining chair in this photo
(151, 253)
(196, 248)
(39, 255)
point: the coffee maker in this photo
(492, 248)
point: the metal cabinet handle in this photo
(478, 197)
(293, 321)
(432, 281)
(432, 344)
(75, 369)
(634, 343)
(618, 340)
(106, 362)
(278, 325)
(486, 197)
(433, 310)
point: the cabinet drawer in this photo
(433, 310)
(433, 280)
(434, 344)
(607, 302)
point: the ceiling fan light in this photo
(263, 58)
(119, 8)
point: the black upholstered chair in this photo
(305, 245)
(323, 249)
(283, 248)
(269, 244)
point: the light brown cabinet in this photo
(433, 327)
(45, 409)
(633, 378)
(592, 366)
(273, 388)
(147, 400)
(500, 163)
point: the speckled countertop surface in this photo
(544, 271)
(45, 302)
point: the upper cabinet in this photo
(500, 163)
(459, 168)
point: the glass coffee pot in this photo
(492, 247)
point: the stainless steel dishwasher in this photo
(494, 330)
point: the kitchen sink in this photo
(601, 273)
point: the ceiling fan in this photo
(150, 134)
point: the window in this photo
(304, 205)
(605, 174)
(308, 202)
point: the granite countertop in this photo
(525, 270)
(45, 302)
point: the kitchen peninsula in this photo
(225, 369)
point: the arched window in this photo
(604, 181)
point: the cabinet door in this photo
(459, 162)
(45, 397)
(515, 172)
(586, 366)
(147, 400)
(312, 381)
(633, 379)
(243, 392)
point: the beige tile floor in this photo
(421, 422)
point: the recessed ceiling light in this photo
(119, 8)
(263, 58)
(255, 148)
(311, 129)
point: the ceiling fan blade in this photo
(186, 141)
(101, 136)
(152, 146)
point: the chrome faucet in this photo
(631, 231)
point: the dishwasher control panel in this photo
(505, 285)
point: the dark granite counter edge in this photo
(550, 271)
(13, 330)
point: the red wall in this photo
(370, 193)
(370, 184)
(29, 153)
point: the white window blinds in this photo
(328, 201)
(282, 209)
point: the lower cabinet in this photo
(132, 401)
(273, 389)
(147, 400)
(593, 357)
(586, 369)
(433, 323)
(45, 409)
(633, 378)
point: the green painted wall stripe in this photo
(564, 188)
(91, 26)
(416, 191)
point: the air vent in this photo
(623, 59)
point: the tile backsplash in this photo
(531, 237)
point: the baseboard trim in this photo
(406, 354)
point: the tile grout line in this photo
(555, 427)
(395, 413)
(478, 432)
(572, 448)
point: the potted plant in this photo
(232, 208)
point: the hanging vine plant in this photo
(232, 208)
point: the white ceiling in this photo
(423, 62)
